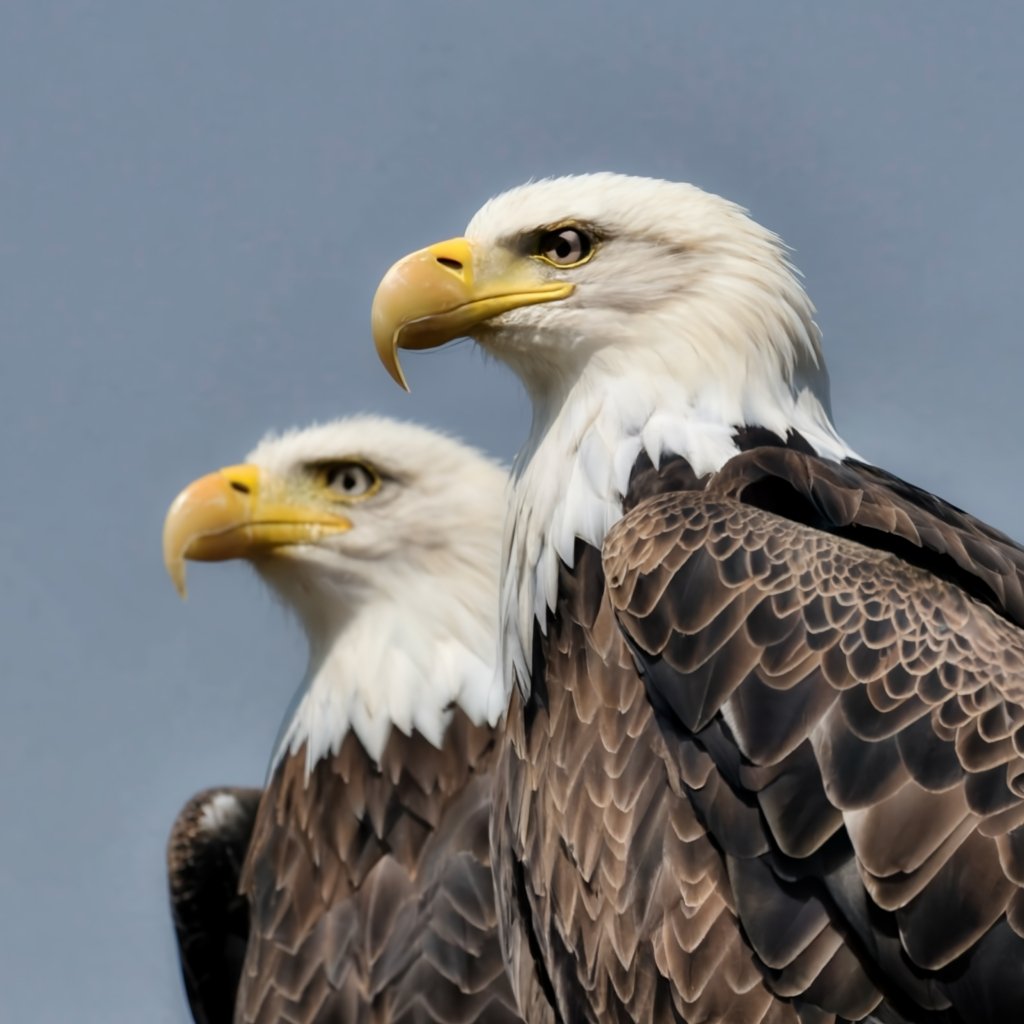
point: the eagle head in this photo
(384, 539)
(610, 274)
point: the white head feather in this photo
(687, 323)
(400, 611)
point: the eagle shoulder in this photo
(848, 650)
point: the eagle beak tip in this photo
(389, 357)
(176, 570)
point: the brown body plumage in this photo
(371, 887)
(363, 893)
(775, 773)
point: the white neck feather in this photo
(659, 396)
(402, 661)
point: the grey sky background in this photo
(196, 203)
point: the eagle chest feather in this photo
(620, 865)
(371, 888)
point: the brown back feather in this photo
(847, 651)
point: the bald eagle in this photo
(764, 757)
(356, 886)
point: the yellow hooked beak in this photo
(443, 292)
(238, 512)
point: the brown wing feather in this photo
(867, 504)
(865, 708)
(371, 889)
(205, 853)
(615, 897)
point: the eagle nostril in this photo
(241, 488)
(449, 263)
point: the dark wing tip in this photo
(205, 853)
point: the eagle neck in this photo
(571, 478)
(400, 663)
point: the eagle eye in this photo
(349, 479)
(565, 246)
